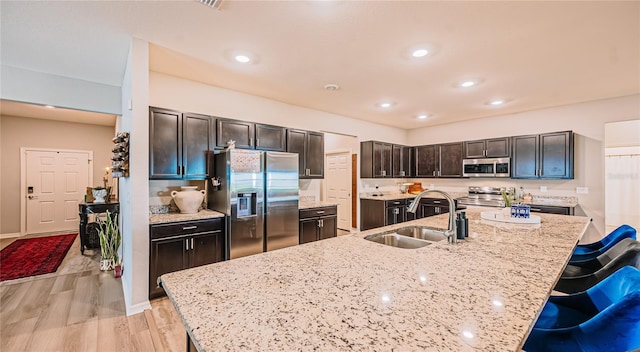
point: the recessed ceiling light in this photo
(419, 52)
(385, 104)
(422, 116)
(242, 58)
(331, 86)
(467, 84)
(49, 106)
(497, 102)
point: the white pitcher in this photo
(188, 199)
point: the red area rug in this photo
(34, 256)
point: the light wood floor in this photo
(80, 308)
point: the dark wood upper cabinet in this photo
(487, 148)
(376, 159)
(310, 149)
(450, 160)
(197, 131)
(272, 138)
(178, 144)
(402, 161)
(165, 144)
(241, 132)
(438, 160)
(543, 156)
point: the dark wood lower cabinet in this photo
(182, 245)
(318, 224)
(552, 210)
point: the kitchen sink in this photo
(422, 233)
(395, 240)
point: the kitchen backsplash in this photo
(160, 200)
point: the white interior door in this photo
(338, 181)
(56, 182)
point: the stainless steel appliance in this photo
(485, 196)
(489, 167)
(258, 192)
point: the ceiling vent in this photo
(211, 3)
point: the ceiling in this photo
(531, 54)
(18, 109)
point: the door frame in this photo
(23, 177)
(350, 171)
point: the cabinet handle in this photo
(191, 243)
(396, 211)
(307, 172)
(189, 228)
(384, 172)
(484, 152)
(436, 201)
(320, 223)
(186, 242)
(257, 142)
(320, 212)
(251, 141)
(434, 172)
(401, 173)
(535, 209)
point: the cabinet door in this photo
(395, 215)
(315, 155)
(372, 214)
(427, 210)
(308, 230)
(556, 155)
(206, 248)
(165, 144)
(240, 131)
(271, 138)
(450, 160)
(297, 143)
(425, 156)
(197, 135)
(328, 227)
(524, 161)
(381, 159)
(401, 161)
(498, 148)
(474, 149)
(167, 255)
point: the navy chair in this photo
(580, 278)
(606, 317)
(589, 251)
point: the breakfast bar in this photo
(348, 293)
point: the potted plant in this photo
(110, 238)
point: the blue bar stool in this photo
(580, 278)
(606, 317)
(592, 250)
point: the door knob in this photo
(33, 197)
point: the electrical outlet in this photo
(582, 190)
(432, 186)
(543, 188)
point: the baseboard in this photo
(9, 235)
(135, 308)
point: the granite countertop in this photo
(315, 204)
(175, 217)
(392, 196)
(346, 293)
(569, 202)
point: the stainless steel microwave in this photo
(489, 167)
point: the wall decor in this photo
(120, 158)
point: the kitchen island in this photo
(348, 293)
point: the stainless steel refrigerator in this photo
(258, 192)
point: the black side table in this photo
(93, 208)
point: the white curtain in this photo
(622, 187)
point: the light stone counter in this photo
(392, 196)
(175, 217)
(315, 204)
(569, 202)
(346, 293)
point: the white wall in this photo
(46, 89)
(134, 190)
(622, 134)
(180, 94)
(587, 120)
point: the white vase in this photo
(188, 199)
(99, 195)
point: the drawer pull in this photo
(535, 209)
(320, 212)
(189, 228)
(436, 201)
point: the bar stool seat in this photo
(591, 250)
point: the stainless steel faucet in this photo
(451, 232)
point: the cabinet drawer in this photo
(185, 228)
(434, 201)
(551, 210)
(395, 202)
(315, 212)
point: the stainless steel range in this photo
(485, 196)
